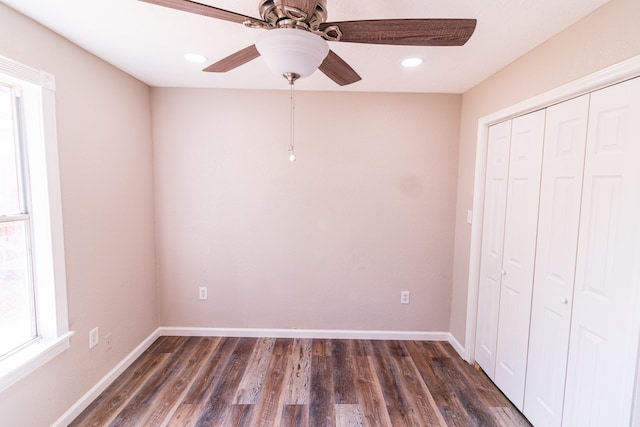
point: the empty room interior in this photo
(480, 207)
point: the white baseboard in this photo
(304, 333)
(95, 391)
(458, 347)
(102, 385)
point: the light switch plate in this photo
(94, 337)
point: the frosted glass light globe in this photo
(287, 50)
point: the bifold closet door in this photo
(605, 327)
(558, 221)
(521, 219)
(495, 201)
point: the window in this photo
(33, 305)
(18, 325)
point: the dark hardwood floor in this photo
(205, 381)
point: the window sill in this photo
(30, 358)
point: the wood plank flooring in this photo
(213, 381)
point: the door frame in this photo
(617, 73)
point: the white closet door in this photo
(492, 241)
(527, 136)
(606, 306)
(560, 196)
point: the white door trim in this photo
(617, 73)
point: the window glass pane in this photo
(9, 181)
(16, 300)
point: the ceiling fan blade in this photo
(234, 60)
(203, 9)
(406, 32)
(338, 70)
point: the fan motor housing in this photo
(279, 13)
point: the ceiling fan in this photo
(296, 44)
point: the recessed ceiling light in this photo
(195, 57)
(412, 62)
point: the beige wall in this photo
(325, 243)
(105, 151)
(607, 36)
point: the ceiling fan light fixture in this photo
(412, 62)
(292, 51)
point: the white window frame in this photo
(37, 90)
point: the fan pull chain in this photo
(292, 129)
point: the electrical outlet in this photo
(108, 341)
(94, 337)
(469, 216)
(202, 294)
(404, 297)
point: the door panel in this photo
(558, 220)
(606, 320)
(492, 244)
(523, 190)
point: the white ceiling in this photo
(149, 41)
